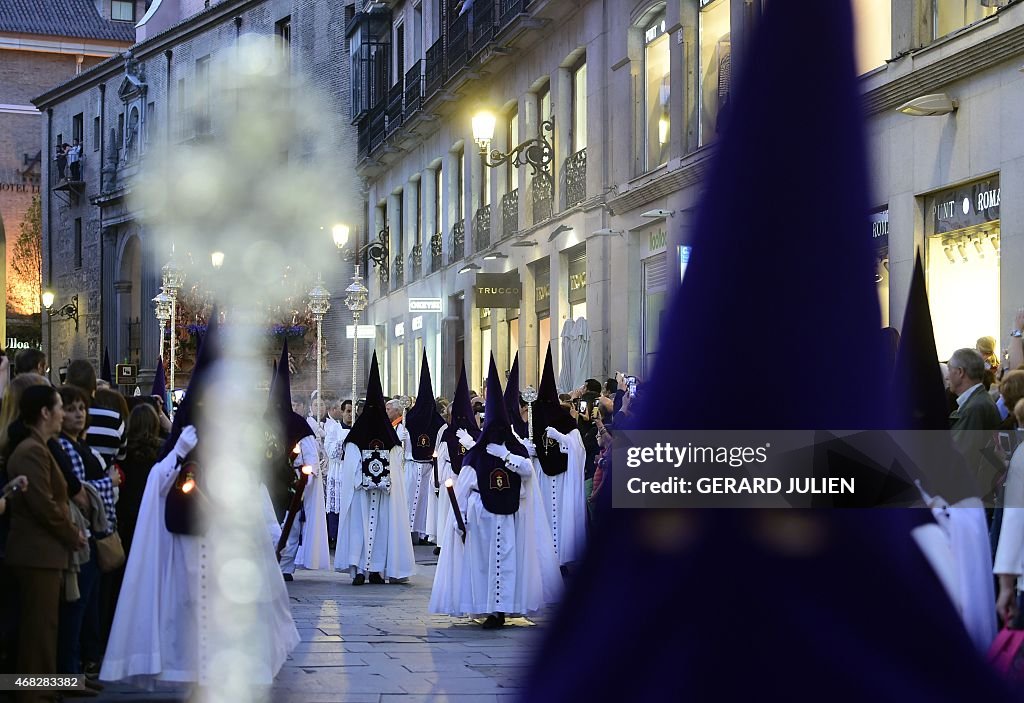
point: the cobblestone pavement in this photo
(376, 644)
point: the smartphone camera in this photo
(631, 384)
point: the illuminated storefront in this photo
(962, 232)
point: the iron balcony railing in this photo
(397, 272)
(481, 31)
(433, 70)
(395, 96)
(510, 213)
(457, 244)
(413, 89)
(482, 228)
(415, 262)
(435, 252)
(575, 176)
(543, 196)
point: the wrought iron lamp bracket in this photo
(536, 152)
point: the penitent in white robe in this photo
(420, 489)
(313, 551)
(159, 634)
(564, 501)
(334, 443)
(373, 525)
(507, 563)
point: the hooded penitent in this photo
(498, 485)
(182, 511)
(548, 412)
(159, 380)
(423, 421)
(843, 605)
(374, 435)
(463, 418)
(512, 400)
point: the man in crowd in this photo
(976, 415)
(30, 361)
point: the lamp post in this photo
(173, 278)
(319, 303)
(66, 312)
(357, 295)
(536, 152)
(162, 305)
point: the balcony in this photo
(72, 183)
(397, 272)
(509, 10)
(574, 173)
(543, 196)
(415, 261)
(395, 110)
(458, 45)
(482, 29)
(510, 214)
(377, 121)
(413, 89)
(457, 243)
(482, 228)
(433, 71)
(435, 252)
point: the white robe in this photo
(373, 526)
(313, 552)
(420, 489)
(158, 635)
(507, 563)
(564, 502)
(334, 444)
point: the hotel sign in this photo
(969, 205)
(880, 229)
(498, 290)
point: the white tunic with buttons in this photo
(564, 501)
(506, 565)
(160, 631)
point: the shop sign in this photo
(417, 323)
(400, 329)
(657, 240)
(880, 229)
(424, 305)
(969, 205)
(15, 343)
(684, 260)
(126, 374)
(543, 292)
(365, 332)
(498, 290)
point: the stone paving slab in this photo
(377, 644)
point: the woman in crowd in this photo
(42, 535)
(82, 616)
(1011, 390)
(144, 443)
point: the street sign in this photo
(424, 305)
(365, 332)
(126, 374)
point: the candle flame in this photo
(188, 486)
(296, 450)
(448, 483)
(307, 469)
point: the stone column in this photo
(109, 305)
(561, 99)
(150, 329)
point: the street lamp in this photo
(173, 279)
(217, 259)
(66, 312)
(162, 305)
(319, 304)
(536, 152)
(356, 297)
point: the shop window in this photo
(715, 66)
(962, 233)
(872, 20)
(951, 15)
(511, 140)
(513, 333)
(542, 305)
(655, 286)
(485, 342)
(577, 260)
(657, 70)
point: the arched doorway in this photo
(128, 290)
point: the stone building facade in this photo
(95, 246)
(41, 42)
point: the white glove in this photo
(465, 438)
(187, 441)
(497, 450)
(552, 433)
(531, 448)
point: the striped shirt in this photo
(104, 486)
(106, 434)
